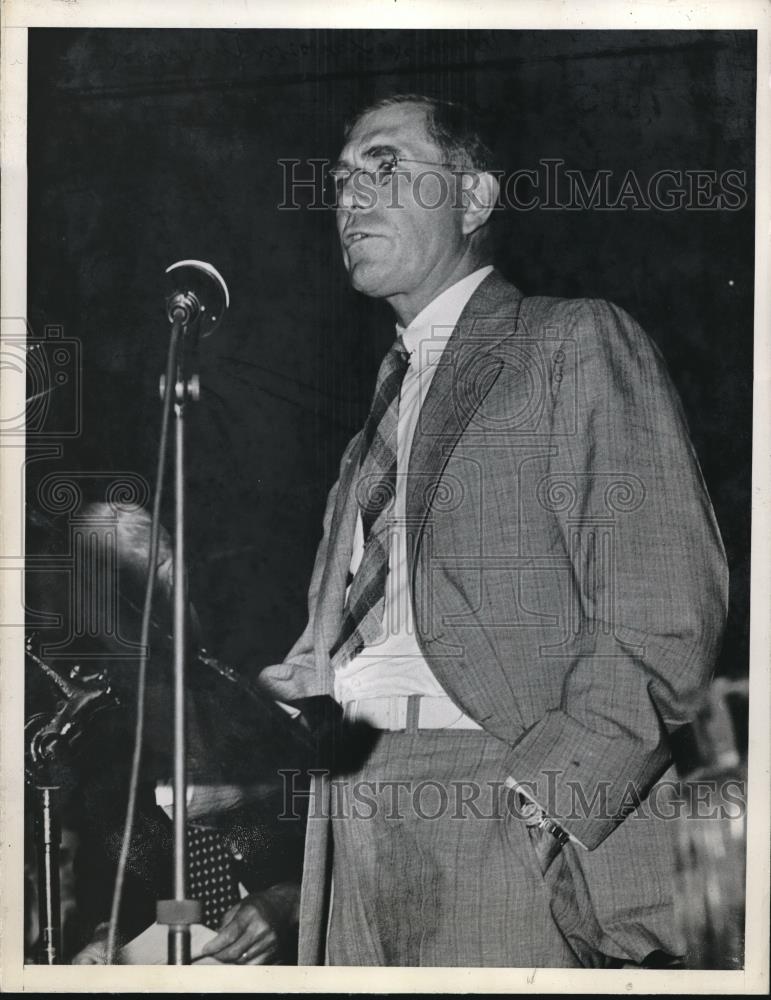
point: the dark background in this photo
(149, 146)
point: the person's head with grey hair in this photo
(414, 196)
(452, 126)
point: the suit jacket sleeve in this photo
(654, 609)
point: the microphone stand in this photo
(195, 307)
(179, 913)
(50, 742)
(48, 837)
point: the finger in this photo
(234, 951)
(255, 935)
(230, 914)
(91, 956)
(259, 950)
(228, 918)
(222, 937)
(264, 956)
(85, 958)
(227, 934)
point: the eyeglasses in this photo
(381, 175)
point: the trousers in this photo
(434, 866)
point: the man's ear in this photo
(479, 193)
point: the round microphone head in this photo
(204, 281)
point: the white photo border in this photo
(17, 17)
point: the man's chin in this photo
(367, 279)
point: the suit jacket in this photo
(568, 581)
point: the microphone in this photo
(197, 295)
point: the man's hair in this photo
(449, 124)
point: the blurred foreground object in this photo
(712, 833)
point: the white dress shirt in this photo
(394, 664)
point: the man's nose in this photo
(358, 192)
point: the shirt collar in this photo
(427, 334)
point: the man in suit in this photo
(519, 595)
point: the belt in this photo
(409, 713)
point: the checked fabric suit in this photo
(568, 583)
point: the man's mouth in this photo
(351, 239)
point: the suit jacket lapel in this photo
(464, 376)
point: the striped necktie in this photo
(375, 493)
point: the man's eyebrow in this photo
(375, 151)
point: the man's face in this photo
(396, 244)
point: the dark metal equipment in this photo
(52, 740)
